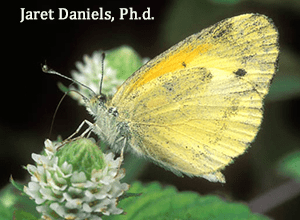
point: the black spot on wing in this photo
(240, 72)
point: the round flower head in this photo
(75, 181)
(118, 65)
(90, 72)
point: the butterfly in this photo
(198, 105)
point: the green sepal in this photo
(18, 186)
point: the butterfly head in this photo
(95, 103)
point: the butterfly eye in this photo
(113, 111)
(102, 98)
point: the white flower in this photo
(118, 65)
(90, 72)
(63, 190)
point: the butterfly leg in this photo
(121, 155)
(79, 128)
(70, 138)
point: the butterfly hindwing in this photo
(198, 105)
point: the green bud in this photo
(83, 154)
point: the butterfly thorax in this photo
(108, 126)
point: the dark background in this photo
(29, 96)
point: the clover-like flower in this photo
(75, 181)
(90, 72)
(118, 65)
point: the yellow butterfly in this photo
(198, 105)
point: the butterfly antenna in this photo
(46, 69)
(54, 115)
(58, 105)
(101, 82)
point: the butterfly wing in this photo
(198, 105)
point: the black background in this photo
(29, 96)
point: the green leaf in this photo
(167, 203)
(290, 165)
(13, 204)
(5, 213)
(19, 214)
(8, 200)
